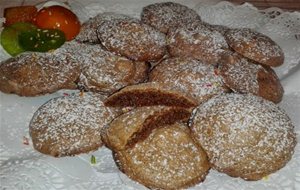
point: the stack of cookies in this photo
(170, 95)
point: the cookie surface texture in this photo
(132, 39)
(255, 46)
(88, 30)
(167, 159)
(197, 41)
(199, 79)
(70, 125)
(105, 72)
(245, 76)
(33, 74)
(244, 135)
(164, 16)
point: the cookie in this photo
(255, 46)
(70, 125)
(244, 136)
(196, 41)
(105, 72)
(33, 74)
(132, 39)
(88, 30)
(150, 94)
(166, 15)
(167, 159)
(199, 79)
(136, 125)
(245, 76)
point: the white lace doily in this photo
(23, 168)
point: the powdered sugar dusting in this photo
(245, 134)
(70, 124)
(197, 41)
(168, 158)
(164, 16)
(255, 46)
(190, 75)
(132, 39)
(88, 30)
(41, 72)
(104, 71)
(240, 74)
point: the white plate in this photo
(23, 168)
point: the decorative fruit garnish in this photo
(41, 40)
(58, 17)
(10, 37)
(19, 14)
(53, 25)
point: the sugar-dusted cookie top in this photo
(201, 80)
(244, 135)
(197, 41)
(88, 30)
(70, 125)
(166, 15)
(245, 76)
(168, 159)
(255, 46)
(132, 39)
(34, 73)
(105, 72)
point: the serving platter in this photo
(21, 167)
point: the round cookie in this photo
(88, 30)
(32, 74)
(105, 72)
(196, 41)
(193, 76)
(255, 46)
(167, 159)
(70, 125)
(244, 135)
(244, 76)
(132, 39)
(166, 15)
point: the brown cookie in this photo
(196, 41)
(191, 75)
(136, 125)
(32, 74)
(166, 15)
(244, 135)
(244, 76)
(255, 46)
(88, 30)
(70, 125)
(167, 159)
(105, 72)
(132, 39)
(150, 94)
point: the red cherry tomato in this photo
(58, 17)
